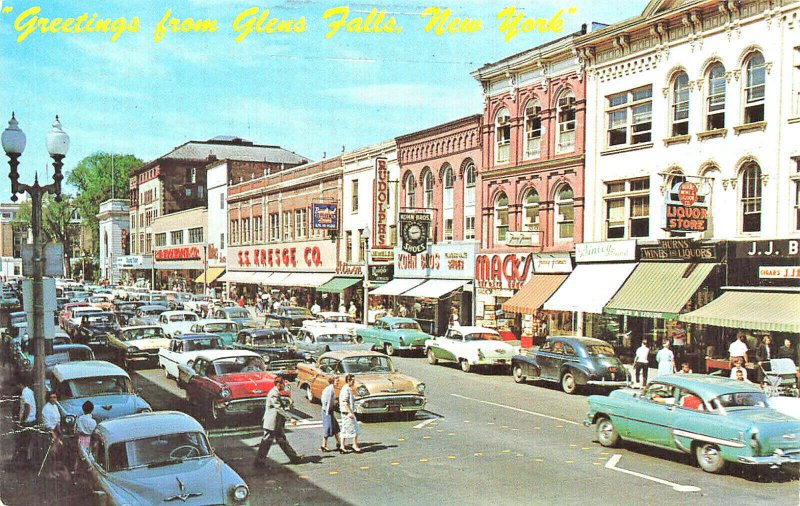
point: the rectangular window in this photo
(176, 237)
(246, 238)
(195, 235)
(148, 241)
(300, 226)
(503, 134)
(469, 227)
(448, 229)
(361, 246)
(566, 124)
(141, 243)
(348, 242)
(161, 239)
(796, 82)
(234, 231)
(627, 208)
(222, 240)
(755, 89)
(287, 225)
(354, 196)
(680, 107)
(274, 227)
(630, 117)
(222, 201)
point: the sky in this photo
(302, 91)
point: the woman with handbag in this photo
(330, 426)
(347, 406)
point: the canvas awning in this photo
(534, 293)
(435, 288)
(589, 287)
(768, 310)
(305, 279)
(244, 277)
(210, 275)
(397, 286)
(659, 289)
(339, 284)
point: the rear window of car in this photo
(600, 350)
(482, 336)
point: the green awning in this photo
(338, 284)
(770, 311)
(659, 289)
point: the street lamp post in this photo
(365, 233)
(13, 140)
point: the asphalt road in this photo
(482, 440)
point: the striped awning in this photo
(770, 311)
(535, 292)
(210, 275)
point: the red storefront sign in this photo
(687, 193)
(185, 253)
(503, 271)
(280, 257)
(380, 235)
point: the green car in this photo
(226, 329)
(717, 419)
(391, 334)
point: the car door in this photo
(651, 414)
(550, 360)
(168, 357)
(195, 386)
(539, 358)
(327, 367)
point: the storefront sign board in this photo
(380, 233)
(414, 232)
(608, 251)
(778, 272)
(324, 216)
(438, 261)
(785, 248)
(552, 263)
(184, 253)
(679, 249)
(381, 273)
(309, 256)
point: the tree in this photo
(57, 223)
(99, 177)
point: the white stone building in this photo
(113, 223)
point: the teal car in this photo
(391, 334)
(226, 329)
(719, 420)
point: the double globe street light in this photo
(13, 140)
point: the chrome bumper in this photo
(604, 383)
(390, 404)
(242, 406)
(776, 459)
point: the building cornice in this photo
(569, 161)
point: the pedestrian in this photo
(353, 310)
(315, 309)
(26, 421)
(665, 359)
(786, 350)
(51, 419)
(685, 369)
(738, 348)
(741, 376)
(84, 427)
(330, 427)
(342, 308)
(240, 302)
(764, 352)
(276, 306)
(402, 311)
(454, 318)
(738, 369)
(347, 406)
(275, 415)
(641, 364)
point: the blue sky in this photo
(304, 92)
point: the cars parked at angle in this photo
(319, 339)
(470, 347)
(240, 315)
(138, 344)
(177, 322)
(573, 362)
(153, 299)
(223, 383)
(103, 300)
(393, 333)
(22, 358)
(105, 384)
(74, 317)
(147, 314)
(335, 320)
(716, 419)
(291, 317)
(276, 346)
(197, 303)
(379, 387)
(226, 329)
(94, 328)
(159, 458)
(183, 349)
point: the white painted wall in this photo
(217, 183)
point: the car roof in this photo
(342, 354)
(152, 306)
(332, 313)
(136, 327)
(391, 320)
(578, 339)
(86, 309)
(144, 425)
(70, 346)
(186, 337)
(324, 330)
(213, 320)
(101, 312)
(474, 330)
(87, 369)
(708, 386)
(212, 355)
(177, 312)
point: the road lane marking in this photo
(424, 423)
(516, 409)
(612, 464)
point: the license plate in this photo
(394, 409)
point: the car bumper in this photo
(608, 383)
(141, 357)
(410, 347)
(493, 361)
(242, 406)
(390, 404)
(776, 459)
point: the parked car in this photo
(240, 315)
(95, 328)
(103, 300)
(226, 329)
(147, 315)
(321, 339)
(336, 321)
(227, 382)
(573, 362)
(183, 349)
(276, 346)
(153, 299)
(74, 318)
(138, 344)
(63, 353)
(159, 458)
(391, 334)
(177, 322)
(470, 347)
(22, 360)
(291, 317)
(198, 303)
(379, 387)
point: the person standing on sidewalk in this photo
(330, 426)
(666, 360)
(275, 417)
(26, 421)
(347, 406)
(641, 363)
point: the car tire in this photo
(516, 371)
(607, 434)
(359, 339)
(465, 365)
(388, 349)
(432, 358)
(568, 384)
(709, 458)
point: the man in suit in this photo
(275, 417)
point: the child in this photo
(84, 427)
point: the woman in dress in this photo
(347, 406)
(666, 360)
(330, 426)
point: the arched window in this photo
(565, 213)
(715, 102)
(501, 218)
(502, 126)
(469, 184)
(449, 180)
(565, 111)
(754, 88)
(750, 198)
(427, 187)
(533, 129)
(530, 211)
(680, 105)
(411, 190)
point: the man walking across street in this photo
(641, 363)
(27, 419)
(275, 417)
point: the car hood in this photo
(157, 485)
(378, 384)
(775, 429)
(348, 346)
(247, 384)
(149, 343)
(412, 336)
(106, 406)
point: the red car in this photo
(66, 311)
(227, 382)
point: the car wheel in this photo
(709, 458)
(568, 384)
(388, 349)
(517, 373)
(309, 394)
(465, 365)
(167, 374)
(359, 339)
(607, 434)
(432, 358)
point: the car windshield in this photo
(741, 400)
(207, 343)
(198, 298)
(340, 319)
(101, 319)
(272, 338)
(152, 312)
(233, 365)
(406, 326)
(183, 297)
(183, 317)
(159, 450)
(145, 333)
(334, 338)
(95, 300)
(482, 336)
(72, 355)
(98, 385)
(238, 313)
(367, 364)
(221, 327)
(603, 350)
(298, 311)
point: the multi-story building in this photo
(180, 249)
(11, 241)
(113, 224)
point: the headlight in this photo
(362, 391)
(69, 419)
(225, 393)
(240, 492)
(421, 388)
(132, 349)
(144, 410)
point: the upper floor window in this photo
(796, 81)
(501, 218)
(469, 185)
(566, 122)
(715, 102)
(449, 180)
(565, 213)
(680, 105)
(448, 229)
(630, 117)
(222, 201)
(750, 198)
(427, 186)
(533, 129)
(796, 179)
(161, 239)
(411, 190)
(195, 235)
(530, 211)
(627, 208)
(469, 225)
(300, 225)
(354, 196)
(274, 227)
(287, 226)
(176, 237)
(754, 88)
(502, 127)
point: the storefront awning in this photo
(589, 287)
(770, 311)
(659, 289)
(535, 292)
(210, 276)
(304, 279)
(237, 277)
(338, 284)
(397, 286)
(435, 288)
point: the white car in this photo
(183, 349)
(335, 321)
(176, 323)
(470, 347)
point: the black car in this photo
(573, 362)
(291, 317)
(276, 346)
(95, 327)
(147, 315)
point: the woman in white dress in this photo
(347, 405)
(666, 360)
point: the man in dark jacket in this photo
(786, 351)
(275, 416)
